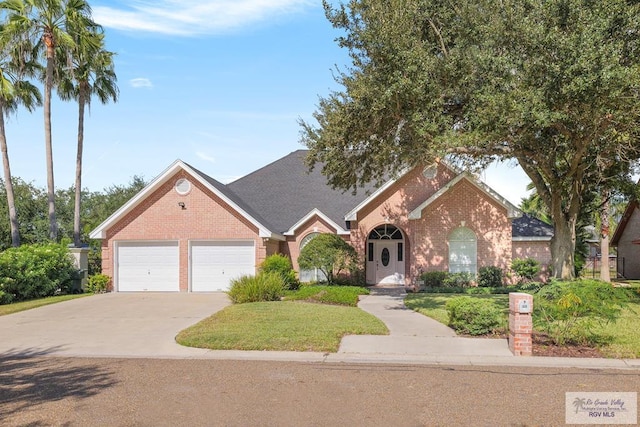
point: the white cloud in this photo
(194, 17)
(204, 156)
(140, 82)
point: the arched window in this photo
(463, 251)
(313, 275)
(385, 232)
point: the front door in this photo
(386, 262)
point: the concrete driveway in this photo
(113, 324)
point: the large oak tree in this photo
(551, 84)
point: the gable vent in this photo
(183, 186)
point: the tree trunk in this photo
(51, 192)
(8, 184)
(76, 213)
(563, 243)
(605, 276)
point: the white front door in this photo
(386, 263)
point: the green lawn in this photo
(280, 326)
(27, 305)
(623, 342)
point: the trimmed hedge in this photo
(474, 316)
(280, 264)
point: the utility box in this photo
(81, 261)
(520, 323)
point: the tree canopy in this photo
(551, 84)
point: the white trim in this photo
(353, 214)
(531, 239)
(100, 232)
(512, 211)
(307, 217)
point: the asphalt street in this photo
(53, 391)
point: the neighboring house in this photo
(627, 241)
(186, 231)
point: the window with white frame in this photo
(463, 251)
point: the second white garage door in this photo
(215, 263)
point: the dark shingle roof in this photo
(285, 191)
(224, 189)
(529, 226)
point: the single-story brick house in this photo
(627, 240)
(188, 232)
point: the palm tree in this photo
(15, 66)
(88, 71)
(46, 23)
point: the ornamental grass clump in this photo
(261, 287)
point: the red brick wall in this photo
(291, 247)
(426, 239)
(159, 217)
(538, 250)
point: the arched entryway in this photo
(385, 255)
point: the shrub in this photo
(458, 280)
(474, 316)
(526, 269)
(280, 264)
(98, 283)
(35, 271)
(569, 311)
(262, 287)
(434, 279)
(490, 277)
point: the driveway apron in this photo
(111, 325)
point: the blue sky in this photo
(218, 84)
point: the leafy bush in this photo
(262, 287)
(460, 280)
(281, 264)
(339, 295)
(569, 311)
(35, 271)
(330, 254)
(474, 316)
(98, 283)
(526, 269)
(434, 279)
(490, 277)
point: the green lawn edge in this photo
(35, 303)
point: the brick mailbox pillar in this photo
(520, 324)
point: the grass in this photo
(433, 305)
(280, 326)
(35, 303)
(622, 338)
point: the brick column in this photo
(520, 324)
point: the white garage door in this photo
(215, 263)
(148, 266)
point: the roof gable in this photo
(309, 216)
(622, 225)
(512, 211)
(211, 184)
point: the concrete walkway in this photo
(412, 333)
